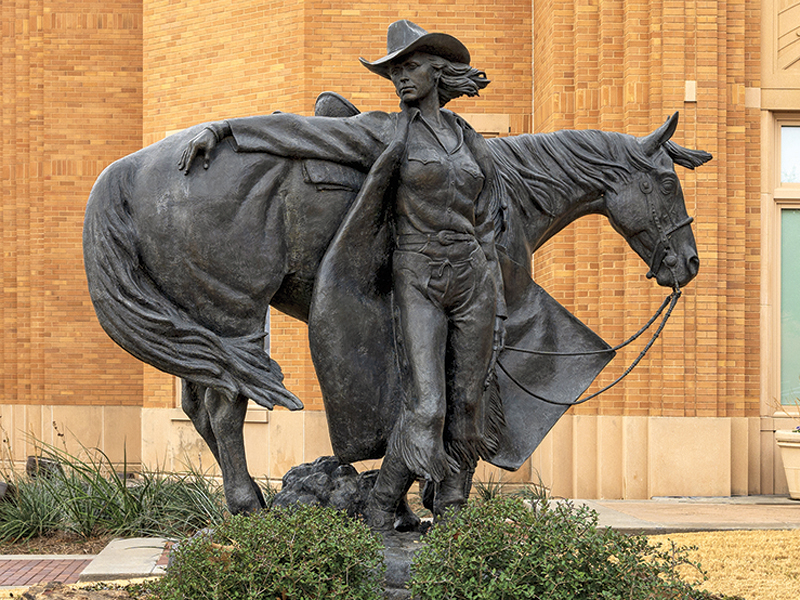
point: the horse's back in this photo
(213, 239)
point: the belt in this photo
(444, 237)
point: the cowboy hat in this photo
(404, 37)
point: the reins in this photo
(660, 254)
(670, 300)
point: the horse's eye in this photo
(668, 185)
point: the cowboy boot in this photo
(453, 492)
(384, 501)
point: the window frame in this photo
(777, 196)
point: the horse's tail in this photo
(139, 317)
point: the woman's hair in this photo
(457, 79)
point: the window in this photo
(786, 187)
(790, 154)
(790, 304)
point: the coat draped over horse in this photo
(182, 269)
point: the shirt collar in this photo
(451, 120)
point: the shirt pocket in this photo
(426, 156)
(472, 170)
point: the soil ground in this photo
(57, 544)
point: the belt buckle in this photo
(444, 238)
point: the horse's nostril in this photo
(694, 265)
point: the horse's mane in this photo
(548, 167)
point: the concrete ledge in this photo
(126, 559)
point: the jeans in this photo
(446, 297)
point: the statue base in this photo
(329, 482)
(397, 556)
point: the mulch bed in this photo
(57, 544)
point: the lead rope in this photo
(672, 300)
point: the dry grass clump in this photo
(756, 565)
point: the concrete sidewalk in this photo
(128, 559)
(147, 557)
(672, 515)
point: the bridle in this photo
(662, 249)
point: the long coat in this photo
(353, 330)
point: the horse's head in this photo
(648, 207)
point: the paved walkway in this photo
(145, 557)
(671, 515)
(25, 570)
(121, 559)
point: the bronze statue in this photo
(404, 240)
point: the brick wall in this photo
(84, 83)
(71, 82)
(623, 66)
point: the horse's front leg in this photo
(227, 423)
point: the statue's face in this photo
(414, 77)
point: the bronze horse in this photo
(181, 272)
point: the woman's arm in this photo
(354, 141)
(489, 219)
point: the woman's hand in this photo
(204, 143)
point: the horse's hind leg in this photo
(227, 421)
(193, 404)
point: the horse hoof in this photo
(245, 505)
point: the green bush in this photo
(502, 549)
(306, 552)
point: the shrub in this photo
(31, 512)
(86, 496)
(305, 552)
(503, 549)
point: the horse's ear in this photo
(686, 157)
(654, 141)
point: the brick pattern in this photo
(48, 570)
(623, 66)
(71, 104)
(83, 84)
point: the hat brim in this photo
(439, 44)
